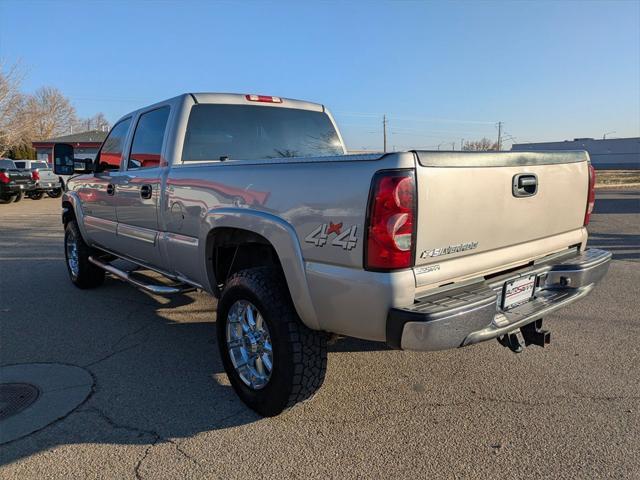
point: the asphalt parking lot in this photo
(161, 406)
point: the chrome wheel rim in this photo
(249, 344)
(72, 255)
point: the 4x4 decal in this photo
(320, 235)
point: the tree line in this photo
(26, 118)
(482, 145)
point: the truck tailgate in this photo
(467, 203)
(47, 175)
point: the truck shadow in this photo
(155, 362)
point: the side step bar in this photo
(127, 277)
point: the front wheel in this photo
(18, 197)
(82, 272)
(272, 359)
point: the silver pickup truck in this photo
(253, 199)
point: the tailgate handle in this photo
(525, 185)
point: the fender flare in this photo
(72, 198)
(284, 240)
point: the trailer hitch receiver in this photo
(530, 334)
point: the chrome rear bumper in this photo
(459, 316)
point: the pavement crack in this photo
(115, 351)
(156, 437)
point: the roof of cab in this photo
(241, 99)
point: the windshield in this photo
(42, 165)
(246, 132)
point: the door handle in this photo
(146, 191)
(525, 185)
(111, 189)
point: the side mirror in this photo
(65, 164)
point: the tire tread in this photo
(308, 347)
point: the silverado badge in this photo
(460, 247)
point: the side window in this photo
(111, 152)
(147, 139)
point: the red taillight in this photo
(591, 195)
(4, 178)
(35, 174)
(263, 98)
(392, 221)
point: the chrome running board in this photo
(149, 287)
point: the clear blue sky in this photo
(440, 71)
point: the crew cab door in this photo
(97, 191)
(138, 188)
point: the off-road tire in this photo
(18, 197)
(88, 275)
(36, 195)
(299, 353)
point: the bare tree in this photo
(49, 114)
(100, 122)
(481, 145)
(97, 122)
(12, 124)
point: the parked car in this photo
(253, 199)
(46, 181)
(14, 182)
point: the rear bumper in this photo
(15, 189)
(46, 186)
(456, 317)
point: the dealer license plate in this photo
(518, 291)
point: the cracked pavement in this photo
(162, 406)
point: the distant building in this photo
(614, 153)
(85, 144)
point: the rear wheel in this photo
(4, 199)
(55, 193)
(82, 272)
(272, 359)
(18, 197)
(36, 195)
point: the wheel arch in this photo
(72, 210)
(267, 232)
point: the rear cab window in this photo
(247, 132)
(7, 164)
(110, 154)
(146, 149)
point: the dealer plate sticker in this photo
(518, 291)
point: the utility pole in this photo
(461, 144)
(384, 133)
(453, 146)
(499, 136)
